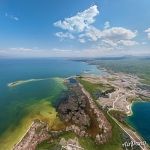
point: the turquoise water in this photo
(140, 119)
(15, 101)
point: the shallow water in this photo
(21, 104)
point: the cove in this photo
(140, 119)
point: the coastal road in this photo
(133, 135)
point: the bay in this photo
(30, 100)
(140, 119)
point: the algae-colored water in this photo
(31, 108)
(32, 99)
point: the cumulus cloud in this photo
(81, 27)
(92, 33)
(115, 36)
(118, 36)
(108, 43)
(106, 25)
(80, 21)
(64, 35)
(118, 33)
(148, 33)
(11, 17)
(127, 42)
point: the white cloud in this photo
(82, 40)
(114, 36)
(80, 21)
(109, 43)
(102, 41)
(118, 33)
(114, 45)
(21, 49)
(97, 51)
(64, 35)
(11, 17)
(106, 25)
(61, 50)
(127, 42)
(148, 32)
(81, 26)
(92, 33)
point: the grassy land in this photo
(94, 89)
(88, 143)
(115, 142)
(46, 145)
(137, 66)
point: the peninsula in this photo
(92, 107)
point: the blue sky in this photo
(74, 28)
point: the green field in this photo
(95, 89)
(136, 66)
(115, 142)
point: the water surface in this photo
(21, 104)
(140, 119)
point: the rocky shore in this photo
(37, 133)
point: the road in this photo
(133, 135)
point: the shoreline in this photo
(130, 112)
(23, 135)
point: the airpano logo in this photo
(133, 143)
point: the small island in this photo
(20, 82)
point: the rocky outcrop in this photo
(82, 116)
(105, 130)
(73, 109)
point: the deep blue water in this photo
(140, 119)
(12, 70)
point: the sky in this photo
(74, 28)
